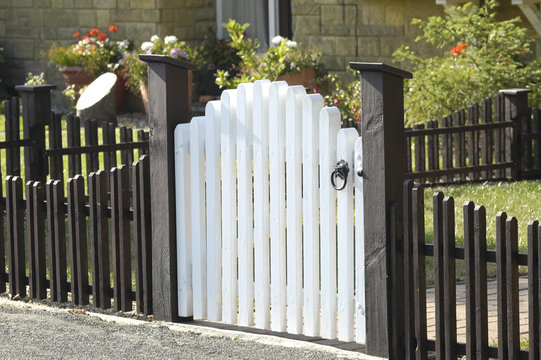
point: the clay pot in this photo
(306, 77)
(76, 75)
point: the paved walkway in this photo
(492, 311)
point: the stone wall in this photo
(28, 27)
(367, 30)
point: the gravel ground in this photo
(32, 331)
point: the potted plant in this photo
(135, 70)
(90, 56)
(286, 60)
(214, 54)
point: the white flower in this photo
(171, 39)
(147, 45)
(277, 39)
(291, 44)
(124, 44)
(154, 38)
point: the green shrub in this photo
(480, 55)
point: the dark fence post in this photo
(36, 114)
(384, 167)
(516, 108)
(169, 105)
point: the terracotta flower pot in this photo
(76, 75)
(306, 77)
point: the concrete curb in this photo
(188, 328)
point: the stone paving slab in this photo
(492, 311)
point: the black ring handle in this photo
(341, 171)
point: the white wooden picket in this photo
(262, 236)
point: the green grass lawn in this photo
(519, 199)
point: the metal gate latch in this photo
(341, 171)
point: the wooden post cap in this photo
(35, 88)
(154, 58)
(366, 66)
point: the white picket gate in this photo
(262, 237)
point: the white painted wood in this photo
(214, 210)
(294, 97)
(345, 149)
(360, 314)
(277, 96)
(261, 203)
(311, 107)
(229, 207)
(329, 125)
(183, 220)
(245, 218)
(273, 20)
(199, 238)
(533, 14)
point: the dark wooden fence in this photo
(497, 139)
(64, 140)
(112, 219)
(475, 255)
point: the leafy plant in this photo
(283, 58)
(93, 51)
(480, 55)
(37, 79)
(135, 70)
(343, 94)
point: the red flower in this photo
(335, 102)
(457, 50)
(93, 32)
(77, 34)
(102, 36)
(113, 28)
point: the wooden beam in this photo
(532, 13)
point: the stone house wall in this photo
(28, 27)
(344, 30)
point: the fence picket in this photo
(77, 240)
(501, 279)
(536, 129)
(486, 136)
(229, 208)
(473, 140)
(55, 143)
(36, 235)
(311, 107)
(419, 278)
(446, 154)
(143, 235)
(277, 94)
(57, 238)
(91, 138)
(526, 143)
(439, 288)
(245, 94)
(481, 313)
(3, 278)
(360, 304)
(449, 277)
(513, 326)
(15, 232)
(99, 234)
(533, 289)
(13, 155)
(183, 220)
(124, 236)
(409, 303)
(408, 152)
(294, 98)
(261, 197)
(345, 150)
(199, 243)
(469, 268)
(419, 142)
(328, 130)
(214, 211)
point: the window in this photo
(267, 18)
